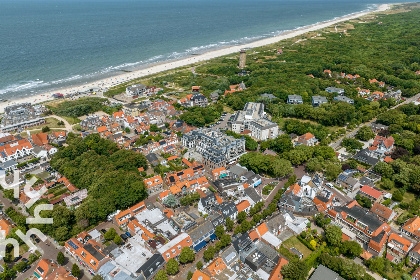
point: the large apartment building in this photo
(254, 119)
(216, 148)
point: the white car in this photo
(329, 185)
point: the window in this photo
(168, 255)
(188, 241)
(92, 262)
(173, 251)
(179, 247)
(83, 254)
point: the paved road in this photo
(336, 144)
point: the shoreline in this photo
(158, 67)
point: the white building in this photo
(254, 119)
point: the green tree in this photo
(209, 253)
(117, 239)
(189, 275)
(172, 267)
(110, 234)
(75, 270)
(241, 217)
(45, 129)
(333, 234)
(351, 249)
(199, 265)
(60, 258)
(397, 196)
(97, 277)
(170, 201)
(295, 270)
(365, 133)
(127, 130)
(161, 275)
(20, 266)
(225, 240)
(229, 224)
(219, 231)
(187, 255)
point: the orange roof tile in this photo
(199, 275)
(172, 158)
(401, 240)
(276, 273)
(102, 129)
(371, 191)
(151, 182)
(262, 229)
(241, 206)
(5, 226)
(412, 225)
(216, 267)
(253, 235)
(164, 194)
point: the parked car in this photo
(17, 258)
(26, 268)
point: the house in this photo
(40, 139)
(276, 273)
(216, 148)
(252, 196)
(266, 236)
(365, 156)
(173, 248)
(382, 146)
(398, 245)
(136, 90)
(229, 256)
(48, 270)
(152, 159)
(5, 227)
(194, 99)
(219, 173)
(228, 209)
(153, 184)
(295, 224)
(123, 217)
(254, 119)
(369, 228)
(86, 251)
(411, 228)
(76, 198)
(201, 234)
(15, 150)
(416, 273)
(216, 266)
(414, 255)
(341, 98)
(377, 127)
(323, 203)
(324, 273)
(294, 99)
(371, 193)
(307, 139)
(335, 90)
(384, 213)
(244, 205)
(318, 100)
(200, 275)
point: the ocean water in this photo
(49, 44)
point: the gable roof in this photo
(412, 225)
(381, 210)
(241, 206)
(371, 191)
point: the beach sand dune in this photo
(112, 81)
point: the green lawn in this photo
(294, 242)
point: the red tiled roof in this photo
(241, 206)
(371, 191)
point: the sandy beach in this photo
(115, 80)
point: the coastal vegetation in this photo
(82, 106)
(108, 173)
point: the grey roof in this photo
(151, 266)
(366, 181)
(93, 252)
(200, 231)
(294, 97)
(252, 193)
(229, 255)
(334, 89)
(120, 274)
(216, 219)
(362, 215)
(8, 164)
(152, 157)
(268, 95)
(237, 170)
(228, 209)
(324, 273)
(107, 251)
(363, 156)
(225, 184)
(319, 99)
(343, 99)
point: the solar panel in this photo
(71, 244)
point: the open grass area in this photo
(294, 242)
